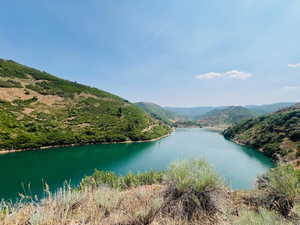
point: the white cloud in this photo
(234, 74)
(209, 76)
(294, 65)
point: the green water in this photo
(27, 171)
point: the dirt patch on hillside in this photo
(151, 127)
(28, 111)
(11, 94)
(86, 95)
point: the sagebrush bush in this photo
(193, 174)
(279, 189)
(195, 192)
(283, 180)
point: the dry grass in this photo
(261, 217)
(91, 207)
(136, 206)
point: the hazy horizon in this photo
(195, 106)
(172, 53)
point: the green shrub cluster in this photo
(196, 174)
(10, 84)
(279, 189)
(107, 178)
(284, 181)
(184, 175)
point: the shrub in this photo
(10, 84)
(100, 178)
(110, 179)
(280, 187)
(195, 174)
(284, 180)
(195, 191)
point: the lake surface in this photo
(25, 172)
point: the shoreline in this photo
(217, 129)
(274, 160)
(74, 145)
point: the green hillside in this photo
(189, 113)
(38, 109)
(157, 111)
(276, 134)
(269, 108)
(226, 116)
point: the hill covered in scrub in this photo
(38, 109)
(226, 116)
(189, 113)
(187, 193)
(157, 112)
(277, 134)
(269, 108)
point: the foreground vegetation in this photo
(189, 192)
(277, 134)
(38, 109)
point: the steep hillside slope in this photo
(276, 134)
(38, 109)
(157, 111)
(226, 117)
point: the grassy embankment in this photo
(189, 192)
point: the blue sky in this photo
(171, 52)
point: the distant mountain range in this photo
(223, 116)
(191, 113)
(226, 116)
(195, 113)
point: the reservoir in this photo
(26, 172)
